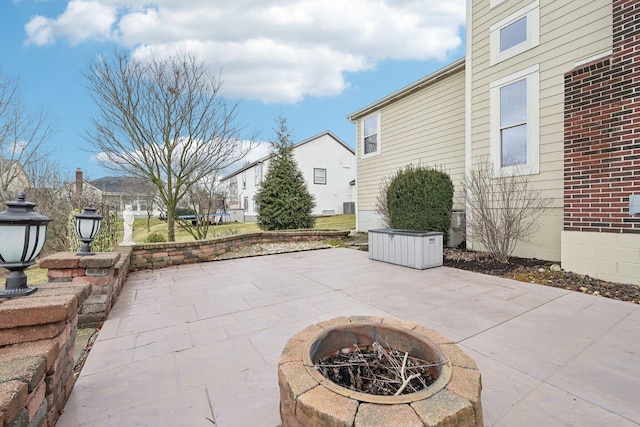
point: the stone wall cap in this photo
(29, 370)
(60, 260)
(81, 289)
(100, 260)
(46, 349)
(36, 310)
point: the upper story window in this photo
(257, 173)
(514, 111)
(513, 123)
(319, 176)
(244, 180)
(516, 33)
(371, 136)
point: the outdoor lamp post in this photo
(22, 235)
(87, 226)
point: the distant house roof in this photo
(116, 184)
(313, 138)
(425, 81)
(7, 163)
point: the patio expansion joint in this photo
(513, 317)
(255, 308)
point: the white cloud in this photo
(275, 51)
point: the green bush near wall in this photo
(155, 237)
(420, 199)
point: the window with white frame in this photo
(514, 111)
(257, 173)
(516, 33)
(371, 135)
(319, 176)
(245, 203)
(244, 180)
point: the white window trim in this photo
(315, 181)
(532, 12)
(378, 140)
(532, 74)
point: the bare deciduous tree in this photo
(205, 198)
(501, 210)
(164, 120)
(23, 135)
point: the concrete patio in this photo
(198, 345)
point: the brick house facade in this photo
(602, 133)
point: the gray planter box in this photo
(415, 249)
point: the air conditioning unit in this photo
(349, 207)
(458, 219)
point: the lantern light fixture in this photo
(23, 232)
(87, 226)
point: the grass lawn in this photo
(140, 231)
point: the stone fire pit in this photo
(307, 398)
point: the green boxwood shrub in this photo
(420, 199)
(156, 237)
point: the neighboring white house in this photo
(327, 164)
(13, 179)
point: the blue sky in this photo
(313, 62)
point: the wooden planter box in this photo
(415, 249)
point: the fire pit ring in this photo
(308, 398)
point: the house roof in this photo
(7, 162)
(407, 90)
(115, 184)
(313, 138)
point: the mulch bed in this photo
(541, 273)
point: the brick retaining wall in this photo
(105, 271)
(159, 255)
(37, 336)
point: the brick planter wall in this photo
(105, 271)
(37, 335)
(159, 255)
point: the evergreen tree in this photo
(284, 201)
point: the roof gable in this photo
(296, 145)
(407, 90)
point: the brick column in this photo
(101, 271)
(37, 337)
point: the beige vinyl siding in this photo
(425, 127)
(570, 31)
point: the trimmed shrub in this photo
(420, 199)
(156, 237)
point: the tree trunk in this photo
(171, 219)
